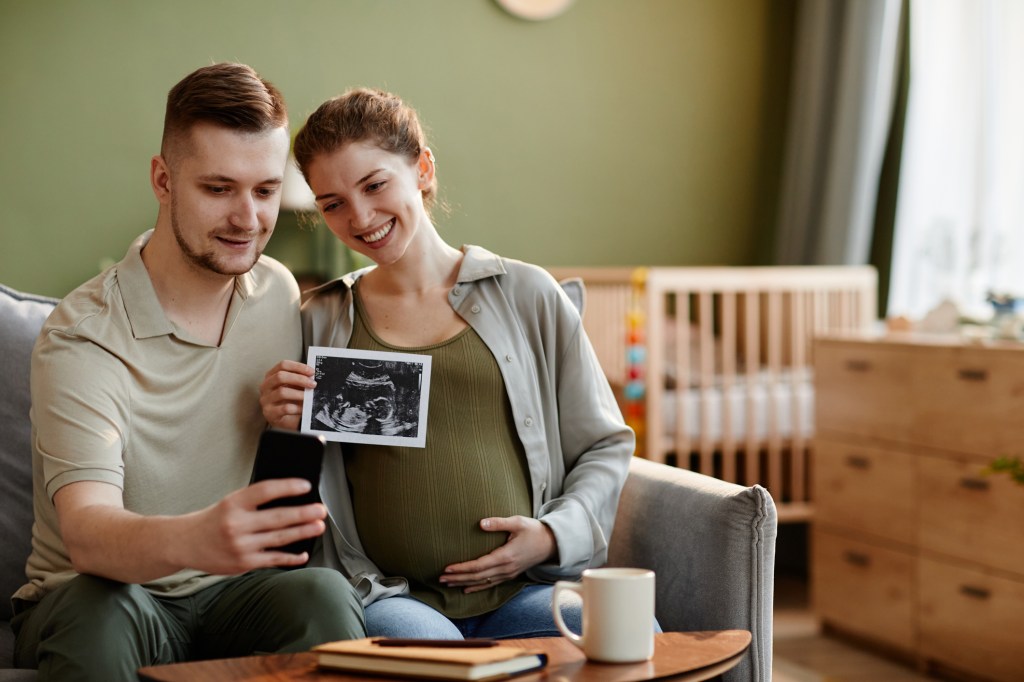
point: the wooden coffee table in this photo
(682, 656)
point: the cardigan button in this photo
(457, 291)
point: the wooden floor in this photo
(803, 654)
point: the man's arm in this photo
(229, 537)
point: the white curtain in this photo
(960, 211)
(842, 96)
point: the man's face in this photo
(225, 193)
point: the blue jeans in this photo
(528, 614)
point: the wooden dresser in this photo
(914, 548)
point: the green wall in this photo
(623, 132)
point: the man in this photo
(148, 545)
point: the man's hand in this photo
(529, 543)
(281, 393)
(229, 537)
(233, 536)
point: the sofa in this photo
(711, 544)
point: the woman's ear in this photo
(426, 167)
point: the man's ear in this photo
(160, 179)
(426, 166)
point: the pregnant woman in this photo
(526, 451)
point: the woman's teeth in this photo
(379, 234)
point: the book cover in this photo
(431, 662)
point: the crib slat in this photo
(774, 480)
(753, 359)
(798, 448)
(706, 355)
(683, 378)
(728, 359)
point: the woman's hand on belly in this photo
(529, 543)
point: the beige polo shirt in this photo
(121, 395)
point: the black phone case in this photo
(288, 454)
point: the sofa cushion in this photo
(21, 318)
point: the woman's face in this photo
(371, 199)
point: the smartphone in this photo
(289, 454)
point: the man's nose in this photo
(245, 213)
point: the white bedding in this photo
(783, 400)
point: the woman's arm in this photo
(596, 448)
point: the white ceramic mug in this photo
(618, 614)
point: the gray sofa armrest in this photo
(711, 545)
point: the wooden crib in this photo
(713, 365)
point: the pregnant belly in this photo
(423, 541)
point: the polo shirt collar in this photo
(145, 314)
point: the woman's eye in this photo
(266, 192)
(375, 186)
(327, 208)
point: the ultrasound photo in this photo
(368, 397)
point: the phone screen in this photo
(288, 454)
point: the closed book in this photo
(431, 662)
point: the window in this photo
(960, 214)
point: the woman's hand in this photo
(281, 393)
(529, 543)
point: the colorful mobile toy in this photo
(633, 393)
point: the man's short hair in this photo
(225, 94)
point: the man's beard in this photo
(207, 260)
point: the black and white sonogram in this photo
(368, 397)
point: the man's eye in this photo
(216, 189)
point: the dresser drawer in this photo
(965, 514)
(971, 621)
(862, 389)
(863, 588)
(864, 488)
(969, 400)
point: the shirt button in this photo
(475, 308)
(543, 486)
(528, 421)
(508, 357)
(457, 291)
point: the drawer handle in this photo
(858, 365)
(973, 374)
(858, 462)
(857, 558)
(975, 592)
(973, 483)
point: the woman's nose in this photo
(362, 215)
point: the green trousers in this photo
(97, 629)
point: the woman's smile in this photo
(375, 237)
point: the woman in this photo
(526, 450)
